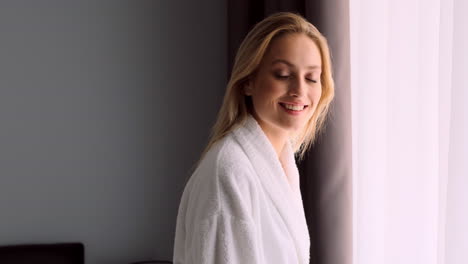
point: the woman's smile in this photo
(293, 109)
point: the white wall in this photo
(104, 108)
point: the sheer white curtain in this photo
(410, 129)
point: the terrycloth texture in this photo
(240, 206)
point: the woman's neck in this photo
(276, 137)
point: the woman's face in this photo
(286, 89)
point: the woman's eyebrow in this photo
(312, 67)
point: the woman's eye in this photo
(281, 76)
(311, 80)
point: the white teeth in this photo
(294, 107)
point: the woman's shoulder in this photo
(226, 155)
(223, 178)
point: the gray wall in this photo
(104, 108)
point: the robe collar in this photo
(284, 194)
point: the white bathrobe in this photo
(241, 206)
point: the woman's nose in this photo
(297, 87)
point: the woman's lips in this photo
(294, 109)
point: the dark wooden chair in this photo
(62, 253)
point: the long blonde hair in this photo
(234, 109)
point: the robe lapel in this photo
(286, 198)
(290, 169)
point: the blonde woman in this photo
(243, 203)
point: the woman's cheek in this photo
(277, 86)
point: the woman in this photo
(243, 203)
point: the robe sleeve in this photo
(219, 229)
(216, 223)
(224, 239)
